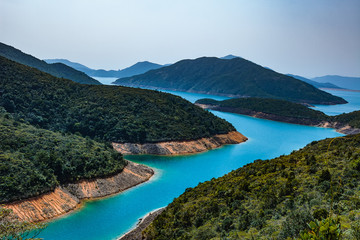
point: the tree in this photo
(13, 229)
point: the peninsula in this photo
(285, 111)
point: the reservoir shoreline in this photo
(340, 128)
(180, 147)
(70, 197)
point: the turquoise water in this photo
(352, 97)
(108, 218)
(106, 80)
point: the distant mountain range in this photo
(315, 83)
(56, 69)
(236, 77)
(138, 68)
(230, 56)
(343, 82)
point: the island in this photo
(285, 111)
(236, 77)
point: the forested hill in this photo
(274, 199)
(276, 107)
(34, 161)
(281, 110)
(110, 113)
(56, 69)
(231, 77)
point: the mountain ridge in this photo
(107, 113)
(135, 69)
(235, 77)
(56, 69)
(315, 83)
(342, 81)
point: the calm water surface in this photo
(108, 218)
(352, 97)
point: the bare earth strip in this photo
(68, 197)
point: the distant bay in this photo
(353, 97)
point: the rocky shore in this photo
(136, 233)
(68, 197)
(181, 147)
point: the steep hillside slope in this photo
(109, 113)
(272, 199)
(35, 161)
(57, 69)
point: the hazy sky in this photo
(304, 37)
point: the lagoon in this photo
(111, 217)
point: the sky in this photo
(304, 37)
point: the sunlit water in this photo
(111, 217)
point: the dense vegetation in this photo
(110, 113)
(56, 69)
(35, 161)
(137, 68)
(270, 106)
(353, 118)
(274, 199)
(305, 115)
(13, 229)
(233, 77)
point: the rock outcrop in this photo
(68, 197)
(181, 147)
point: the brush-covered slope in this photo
(56, 69)
(233, 77)
(34, 161)
(110, 113)
(352, 119)
(272, 199)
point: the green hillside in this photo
(108, 113)
(281, 110)
(35, 161)
(57, 69)
(232, 77)
(353, 118)
(270, 106)
(272, 199)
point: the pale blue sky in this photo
(304, 37)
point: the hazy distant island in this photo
(315, 83)
(235, 77)
(136, 69)
(285, 111)
(344, 82)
